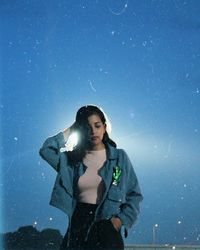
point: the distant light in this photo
(50, 218)
(15, 138)
(185, 185)
(35, 223)
(173, 247)
(179, 222)
(156, 225)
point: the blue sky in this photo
(139, 61)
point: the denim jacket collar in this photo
(111, 152)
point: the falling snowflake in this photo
(187, 75)
(43, 175)
(91, 85)
(119, 12)
(144, 43)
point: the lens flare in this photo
(72, 141)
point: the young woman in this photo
(96, 185)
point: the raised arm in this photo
(50, 150)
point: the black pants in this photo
(102, 234)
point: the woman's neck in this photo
(98, 147)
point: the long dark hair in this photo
(83, 129)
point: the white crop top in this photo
(90, 185)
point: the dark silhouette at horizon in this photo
(28, 237)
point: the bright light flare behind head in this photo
(72, 141)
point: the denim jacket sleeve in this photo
(130, 208)
(50, 150)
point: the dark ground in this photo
(28, 238)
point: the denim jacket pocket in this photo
(116, 194)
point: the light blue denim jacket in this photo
(121, 200)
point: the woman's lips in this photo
(94, 138)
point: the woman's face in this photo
(97, 131)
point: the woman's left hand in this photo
(116, 223)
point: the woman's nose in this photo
(92, 130)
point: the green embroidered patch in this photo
(116, 175)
